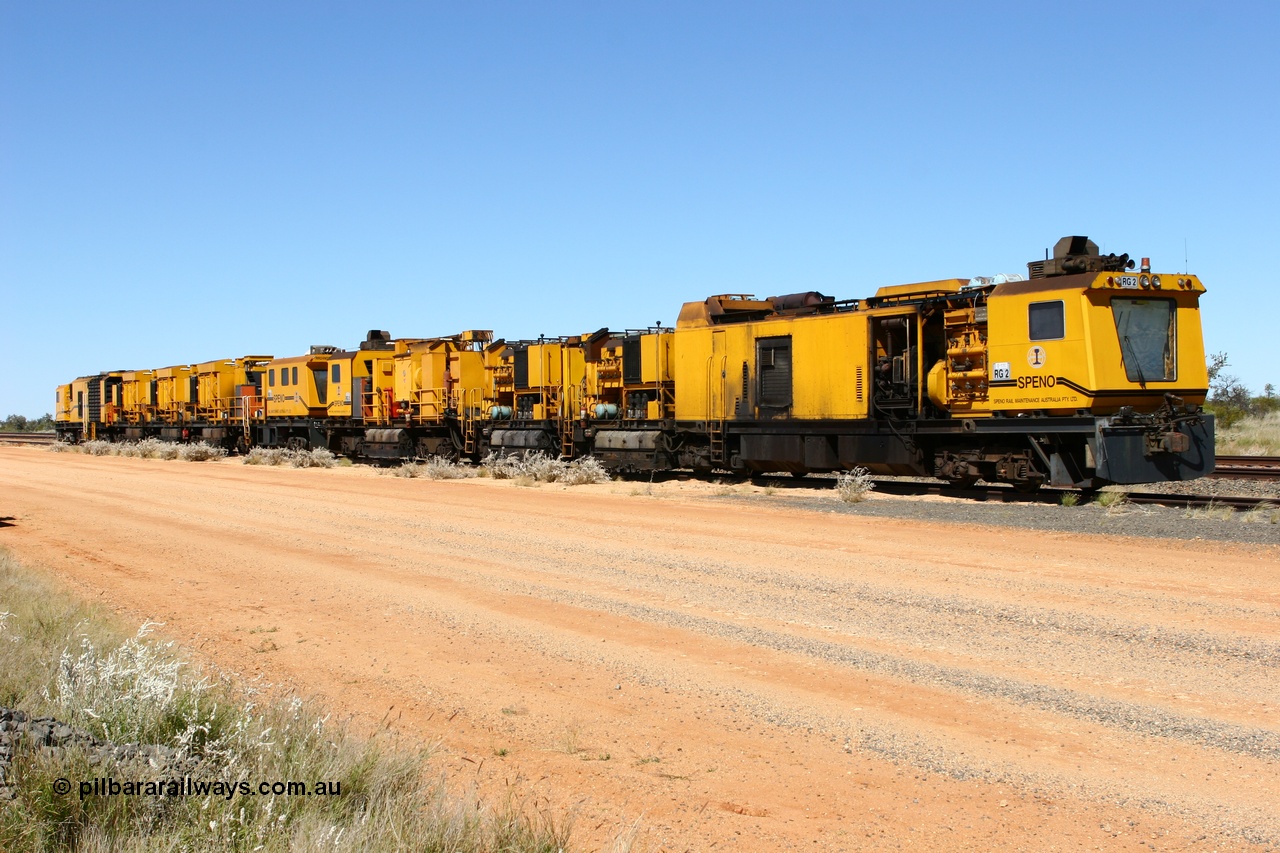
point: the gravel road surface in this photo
(723, 667)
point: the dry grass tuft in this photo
(1264, 513)
(1112, 501)
(1212, 510)
(854, 486)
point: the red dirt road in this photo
(730, 674)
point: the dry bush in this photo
(854, 486)
(584, 472)
(154, 448)
(502, 467)
(147, 448)
(318, 457)
(200, 452)
(264, 456)
(439, 468)
(538, 467)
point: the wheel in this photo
(963, 482)
(1027, 487)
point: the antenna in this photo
(1186, 267)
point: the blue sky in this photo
(188, 181)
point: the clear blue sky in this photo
(188, 181)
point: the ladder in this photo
(566, 424)
(716, 429)
(468, 411)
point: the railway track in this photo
(1247, 467)
(997, 493)
(1243, 467)
(1005, 494)
(27, 438)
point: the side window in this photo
(1046, 321)
(271, 378)
(337, 374)
(293, 380)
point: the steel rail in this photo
(1246, 467)
(27, 438)
(1007, 494)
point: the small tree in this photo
(1268, 402)
(1215, 363)
(1229, 399)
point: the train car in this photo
(176, 393)
(228, 398)
(390, 399)
(88, 408)
(1081, 375)
(421, 398)
(630, 406)
(535, 394)
(604, 394)
(137, 405)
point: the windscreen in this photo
(1146, 331)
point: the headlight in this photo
(1155, 281)
(1144, 281)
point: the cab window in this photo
(1046, 321)
(1147, 330)
(293, 380)
(271, 377)
(337, 374)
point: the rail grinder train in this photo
(1086, 372)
